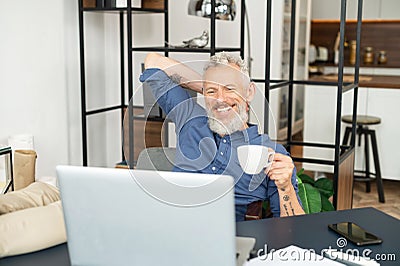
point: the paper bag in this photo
(24, 168)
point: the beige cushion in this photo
(31, 229)
(35, 195)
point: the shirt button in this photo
(213, 168)
(224, 140)
(221, 153)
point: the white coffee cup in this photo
(253, 158)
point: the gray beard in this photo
(233, 125)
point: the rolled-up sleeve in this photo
(172, 98)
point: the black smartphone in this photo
(355, 233)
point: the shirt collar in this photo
(245, 135)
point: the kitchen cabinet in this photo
(384, 103)
(320, 120)
(372, 9)
(319, 123)
(390, 9)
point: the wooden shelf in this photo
(184, 49)
(134, 10)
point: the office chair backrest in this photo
(156, 158)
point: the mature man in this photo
(207, 140)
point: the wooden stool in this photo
(363, 121)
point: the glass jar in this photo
(352, 57)
(382, 58)
(368, 55)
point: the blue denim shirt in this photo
(201, 150)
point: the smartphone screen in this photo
(355, 233)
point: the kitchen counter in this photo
(367, 81)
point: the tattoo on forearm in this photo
(286, 210)
(176, 78)
(286, 198)
(291, 207)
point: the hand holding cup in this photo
(281, 171)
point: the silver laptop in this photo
(133, 217)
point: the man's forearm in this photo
(179, 72)
(289, 203)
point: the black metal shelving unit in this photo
(126, 52)
(346, 158)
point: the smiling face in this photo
(227, 91)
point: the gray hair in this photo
(225, 59)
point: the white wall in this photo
(72, 81)
(33, 78)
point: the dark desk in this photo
(54, 256)
(306, 231)
(311, 231)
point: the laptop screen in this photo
(133, 217)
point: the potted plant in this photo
(315, 195)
